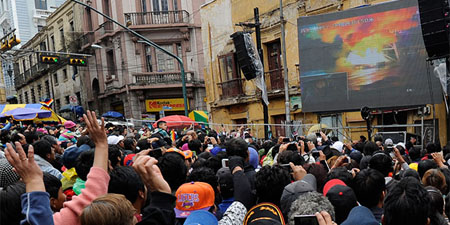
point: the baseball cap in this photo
(291, 193)
(71, 154)
(114, 140)
(338, 145)
(330, 184)
(388, 142)
(343, 200)
(201, 218)
(264, 213)
(360, 215)
(192, 197)
(225, 178)
(186, 154)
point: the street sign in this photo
(73, 100)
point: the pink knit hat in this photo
(185, 147)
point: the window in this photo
(164, 61)
(40, 4)
(63, 41)
(160, 5)
(144, 5)
(75, 70)
(47, 89)
(64, 74)
(72, 28)
(78, 94)
(39, 91)
(24, 66)
(227, 68)
(148, 58)
(110, 64)
(57, 104)
(106, 8)
(43, 46)
(33, 96)
(40, 27)
(52, 40)
(67, 98)
(20, 99)
(26, 97)
(230, 76)
(175, 4)
(55, 78)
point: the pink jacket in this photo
(96, 185)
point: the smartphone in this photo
(155, 153)
(318, 135)
(286, 140)
(224, 163)
(306, 220)
(287, 166)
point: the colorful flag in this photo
(47, 102)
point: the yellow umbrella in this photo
(319, 127)
(54, 118)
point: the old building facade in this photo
(231, 99)
(36, 81)
(130, 77)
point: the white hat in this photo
(338, 145)
(114, 140)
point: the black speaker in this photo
(245, 52)
(435, 23)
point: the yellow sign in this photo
(170, 104)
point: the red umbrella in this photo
(177, 121)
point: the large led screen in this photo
(372, 56)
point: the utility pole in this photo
(260, 52)
(180, 61)
(286, 75)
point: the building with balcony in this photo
(28, 17)
(35, 81)
(125, 75)
(233, 100)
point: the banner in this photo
(372, 56)
(170, 104)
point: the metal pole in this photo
(180, 61)
(286, 75)
(260, 51)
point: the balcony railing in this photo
(232, 88)
(274, 79)
(157, 17)
(105, 28)
(87, 39)
(162, 78)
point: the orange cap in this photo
(193, 196)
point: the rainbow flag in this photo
(173, 136)
(47, 102)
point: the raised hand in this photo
(25, 166)
(150, 173)
(97, 132)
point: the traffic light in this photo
(4, 46)
(49, 59)
(77, 62)
(13, 41)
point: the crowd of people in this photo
(92, 173)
